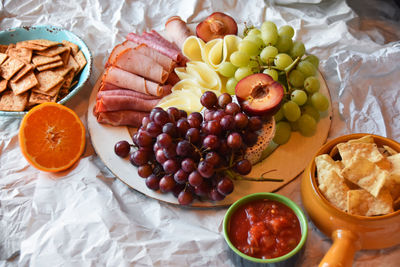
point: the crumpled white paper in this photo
(87, 217)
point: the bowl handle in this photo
(341, 253)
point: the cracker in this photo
(50, 65)
(62, 71)
(80, 59)
(11, 102)
(3, 48)
(68, 79)
(22, 53)
(52, 51)
(73, 64)
(26, 44)
(39, 60)
(47, 80)
(10, 46)
(3, 57)
(22, 72)
(360, 202)
(24, 84)
(44, 42)
(74, 47)
(38, 98)
(10, 67)
(3, 85)
(65, 55)
(51, 92)
(366, 174)
(334, 189)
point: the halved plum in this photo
(217, 25)
(258, 94)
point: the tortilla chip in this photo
(3, 48)
(334, 189)
(324, 164)
(47, 80)
(11, 102)
(360, 202)
(396, 204)
(388, 151)
(81, 60)
(74, 47)
(364, 139)
(366, 174)
(3, 85)
(26, 44)
(38, 98)
(24, 84)
(22, 72)
(43, 42)
(395, 171)
(65, 55)
(3, 57)
(22, 53)
(368, 151)
(52, 51)
(39, 60)
(10, 67)
(50, 65)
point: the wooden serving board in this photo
(286, 162)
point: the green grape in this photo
(242, 72)
(279, 115)
(298, 49)
(239, 59)
(286, 30)
(227, 69)
(307, 68)
(319, 101)
(273, 73)
(269, 26)
(296, 78)
(254, 31)
(294, 125)
(291, 111)
(248, 47)
(311, 84)
(310, 110)
(307, 125)
(230, 86)
(282, 133)
(284, 43)
(268, 54)
(255, 39)
(313, 59)
(282, 61)
(269, 38)
(299, 97)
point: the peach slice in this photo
(217, 25)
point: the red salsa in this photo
(264, 229)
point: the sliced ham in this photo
(167, 63)
(127, 80)
(130, 118)
(118, 49)
(125, 92)
(157, 42)
(173, 78)
(111, 87)
(140, 64)
(107, 87)
(124, 102)
(177, 30)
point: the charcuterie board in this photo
(286, 162)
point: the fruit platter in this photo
(205, 114)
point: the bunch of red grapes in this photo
(194, 156)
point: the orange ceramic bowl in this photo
(349, 233)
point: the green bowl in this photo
(288, 259)
(52, 33)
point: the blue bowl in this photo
(288, 260)
(52, 33)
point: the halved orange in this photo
(51, 137)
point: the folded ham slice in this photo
(124, 102)
(177, 30)
(118, 49)
(125, 92)
(111, 87)
(167, 63)
(130, 118)
(140, 64)
(127, 80)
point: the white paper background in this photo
(86, 217)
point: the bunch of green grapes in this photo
(273, 51)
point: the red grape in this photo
(122, 148)
(208, 99)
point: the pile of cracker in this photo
(37, 71)
(366, 181)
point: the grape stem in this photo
(236, 176)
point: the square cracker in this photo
(24, 84)
(80, 59)
(334, 189)
(10, 67)
(38, 98)
(3, 85)
(73, 64)
(62, 71)
(22, 72)
(50, 65)
(68, 79)
(74, 47)
(65, 55)
(22, 53)
(26, 44)
(3, 48)
(360, 202)
(3, 57)
(39, 60)
(366, 174)
(52, 51)
(48, 79)
(11, 102)
(52, 92)
(44, 42)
